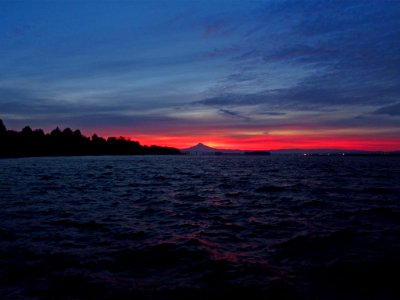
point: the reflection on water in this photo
(200, 227)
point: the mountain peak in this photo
(200, 147)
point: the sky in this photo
(230, 74)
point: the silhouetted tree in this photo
(30, 142)
(38, 133)
(67, 133)
(26, 131)
(56, 132)
(98, 144)
(3, 128)
(77, 134)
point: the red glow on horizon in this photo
(275, 142)
(284, 138)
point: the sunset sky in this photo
(229, 74)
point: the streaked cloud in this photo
(391, 110)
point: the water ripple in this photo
(199, 227)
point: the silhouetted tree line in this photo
(28, 142)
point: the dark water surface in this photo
(184, 227)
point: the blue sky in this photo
(231, 73)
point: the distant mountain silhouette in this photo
(30, 142)
(200, 148)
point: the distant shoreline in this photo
(202, 149)
(205, 155)
(86, 155)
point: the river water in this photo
(192, 227)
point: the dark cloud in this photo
(234, 114)
(271, 113)
(308, 96)
(391, 110)
(330, 17)
(235, 100)
(301, 53)
(22, 30)
(346, 53)
(212, 29)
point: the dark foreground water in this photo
(200, 228)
